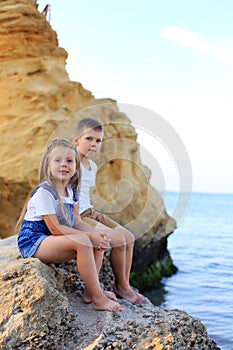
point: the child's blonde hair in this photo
(45, 175)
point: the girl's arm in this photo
(95, 235)
(80, 224)
(99, 240)
(45, 204)
(55, 227)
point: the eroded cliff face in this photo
(36, 93)
(38, 103)
(36, 96)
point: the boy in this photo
(87, 140)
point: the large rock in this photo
(38, 103)
(41, 309)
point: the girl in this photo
(50, 225)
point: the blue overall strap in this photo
(68, 219)
(46, 187)
(75, 195)
(53, 192)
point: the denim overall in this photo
(32, 233)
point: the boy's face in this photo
(89, 144)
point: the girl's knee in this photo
(81, 239)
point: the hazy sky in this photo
(171, 57)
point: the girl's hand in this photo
(100, 240)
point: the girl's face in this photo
(89, 144)
(62, 163)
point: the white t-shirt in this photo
(44, 203)
(88, 181)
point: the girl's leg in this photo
(98, 256)
(55, 249)
(86, 298)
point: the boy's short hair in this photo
(85, 124)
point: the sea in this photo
(202, 249)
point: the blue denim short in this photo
(31, 234)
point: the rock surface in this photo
(41, 309)
(38, 103)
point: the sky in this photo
(170, 60)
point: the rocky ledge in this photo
(42, 309)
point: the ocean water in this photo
(202, 249)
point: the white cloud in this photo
(219, 49)
(184, 37)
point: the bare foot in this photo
(110, 295)
(129, 294)
(105, 304)
(86, 298)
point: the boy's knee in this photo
(118, 240)
(129, 236)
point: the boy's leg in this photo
(118, 243)
(94, 216)
(129, 238)
(121, 258)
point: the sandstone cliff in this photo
(38, 103)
